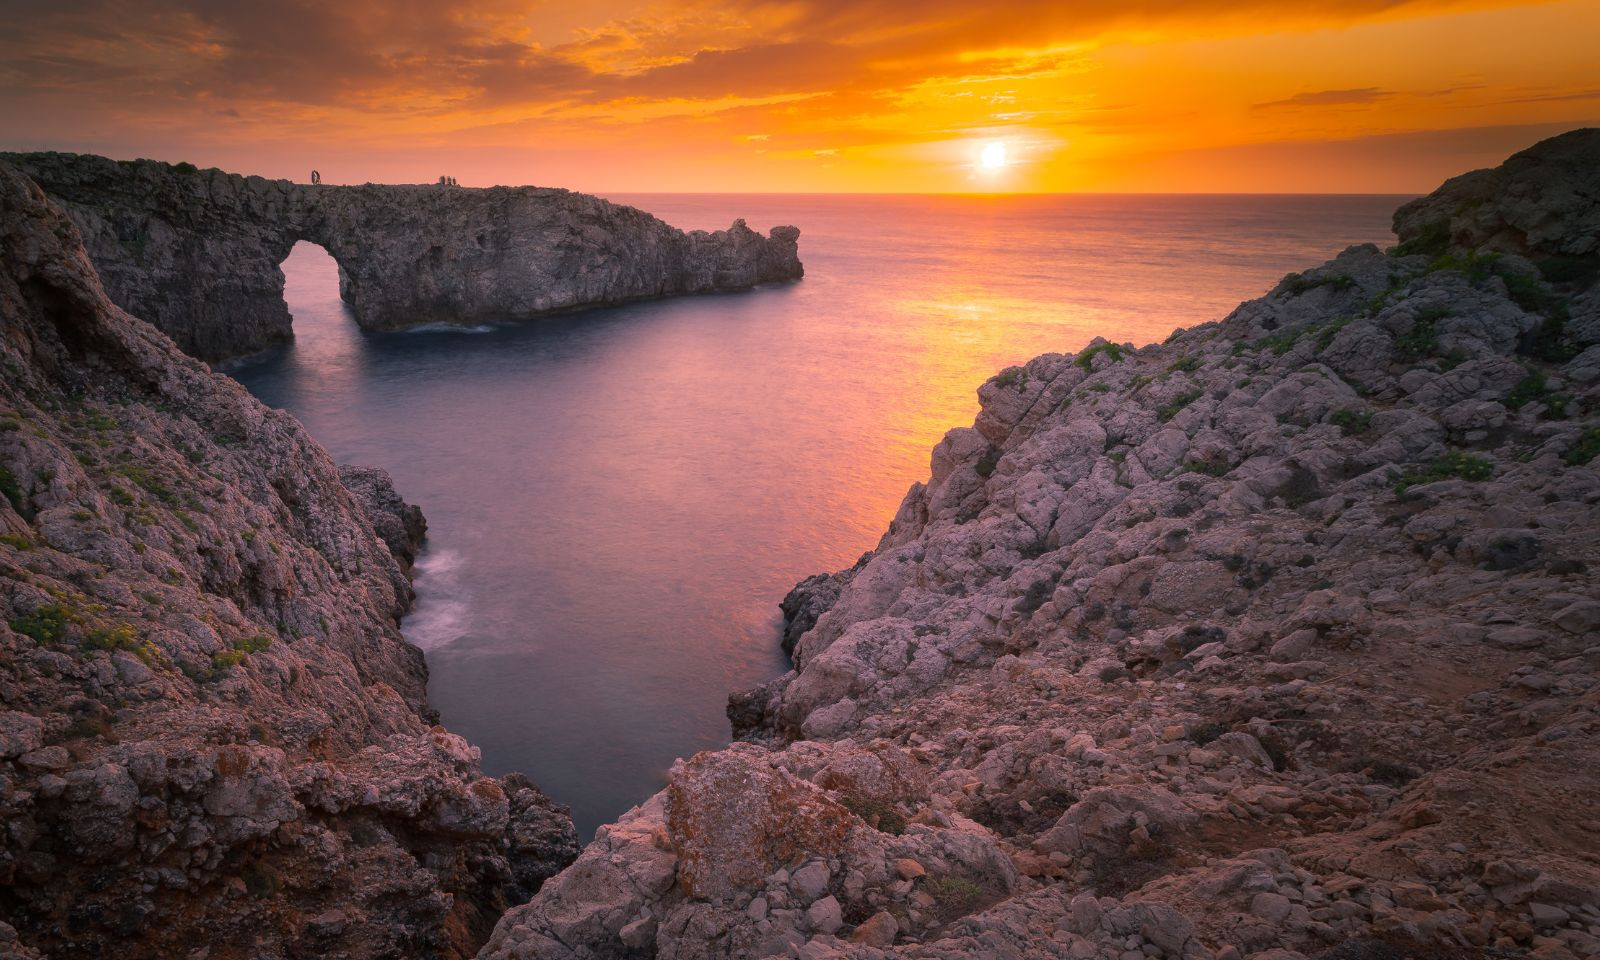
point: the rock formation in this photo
(213, 739)
(1277, 640)
(196, 252)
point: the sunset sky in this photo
(807, 95)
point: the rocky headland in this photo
(214, 742)
(1276, 640)
(196, 252)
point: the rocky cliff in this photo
(1276, 640)
(214, 741)
(196, 252)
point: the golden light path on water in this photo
(617, 500)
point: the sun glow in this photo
(993, 156)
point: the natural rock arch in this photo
(197, 252)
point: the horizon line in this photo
(993, 193)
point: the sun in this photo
(993, 156)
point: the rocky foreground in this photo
(1276, 640)
(196, 252)
(214, 742)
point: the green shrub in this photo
(1464, 466)
(147, 481)
(12, 490)
(1423, 338)
(1209, 467)
(1526, 289)
(1184, 364)
(1329, 330)
(1548, 340)
(880, 816)
(1351, 422)
(987, 462)
(1535, 388)
(120, 636)
(253, 644)
(955, 895)
(1297, 283)
(1172, 407)
(1012, 377)
(1477, 267)
(1432, 240)
(1586, 449)
(16, 541)
(47, 624)
(1279, 343)
(225, 660)
(1086, 358)
(1207, 733)
(1379, 300)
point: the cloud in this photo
(1328, 98)
(405, 53)
(1591, 94)
(667, 78)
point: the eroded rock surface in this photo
(196, 252)
(213, 739)
(1278, 640)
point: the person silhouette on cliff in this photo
(316, 177)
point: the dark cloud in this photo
(373, 54)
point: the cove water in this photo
(617, 500)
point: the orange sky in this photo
(807, 95)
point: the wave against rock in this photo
(1276, 640)
(212, 735)
(196, 252)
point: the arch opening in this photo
(323, 324)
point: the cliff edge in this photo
(196, 252)
(213, 739)
(1277, 640)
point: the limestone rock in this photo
(1269, 639)
(398, 524)
(211, 729)
(196, 252)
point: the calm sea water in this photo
(618, 499)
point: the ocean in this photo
(618, 499)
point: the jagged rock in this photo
(1263, 642)
(196, 252)
(398, 524)
(211, 729)
(809, 600)
(1544, 201)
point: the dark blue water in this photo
(617, 500)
